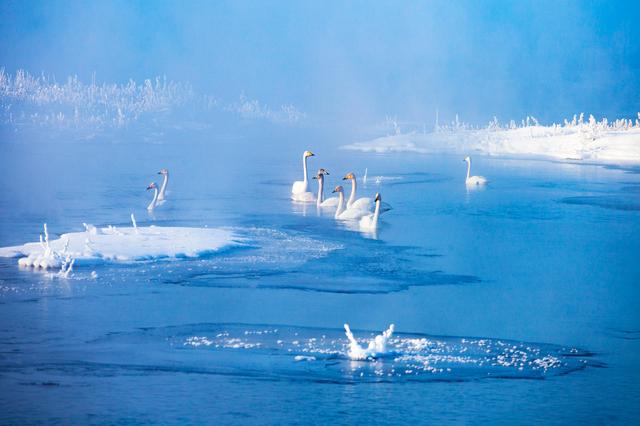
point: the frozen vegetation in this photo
(26, 99)
(576, 139)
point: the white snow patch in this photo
(113, 244)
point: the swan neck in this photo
(352, 197)
(164, 185)
(340, 203)
(376, 213)
(152, 204)
(304, 168)
(468, 168)
(320, 190)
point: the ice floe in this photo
(115, 244)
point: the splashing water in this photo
(377, 346)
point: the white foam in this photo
(121, 245)
(377, 346)
(299, 358)
(592, 141)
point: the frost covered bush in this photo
(41, 100)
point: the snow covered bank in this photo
(113, 244)
(577, 140)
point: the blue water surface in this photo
(516, 303)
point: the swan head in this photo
(320, 174)
(308, 154)
(378, 197)
(152, 185)
(163, 172)
(349, 176)
(337, 189)
(467, 159)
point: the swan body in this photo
(300, 188)
(364, 203)
(370, 221)
(346, 214)
(320, 200)
(153, 203)
(163, 188)
(473, 180)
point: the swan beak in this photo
(377, 198)
(345, 178)
(149, 187)
(159, 173)
(326, 173)
(333, 192)
(314, 177)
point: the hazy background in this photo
(349, 61)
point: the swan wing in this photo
(330, 202)
(298, 187)
(364, 203)
(352, 214)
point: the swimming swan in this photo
(163, 188)
(300, 188)
(320, 201)
(152, 204)
(473, 180)
(364, 203)
(370, 221)
(346, 214)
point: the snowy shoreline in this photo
(592, 141)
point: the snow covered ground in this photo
(601, 141)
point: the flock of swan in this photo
(158, 196)
(365, 210)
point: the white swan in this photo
(320, 201)
(152, 204)
(346, 214)
(473, 180)
(370, 221)
(364, 203)
(340, 208)
(300, 188)
(163, 188)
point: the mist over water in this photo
(353, 62)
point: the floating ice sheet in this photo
(111, 244)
